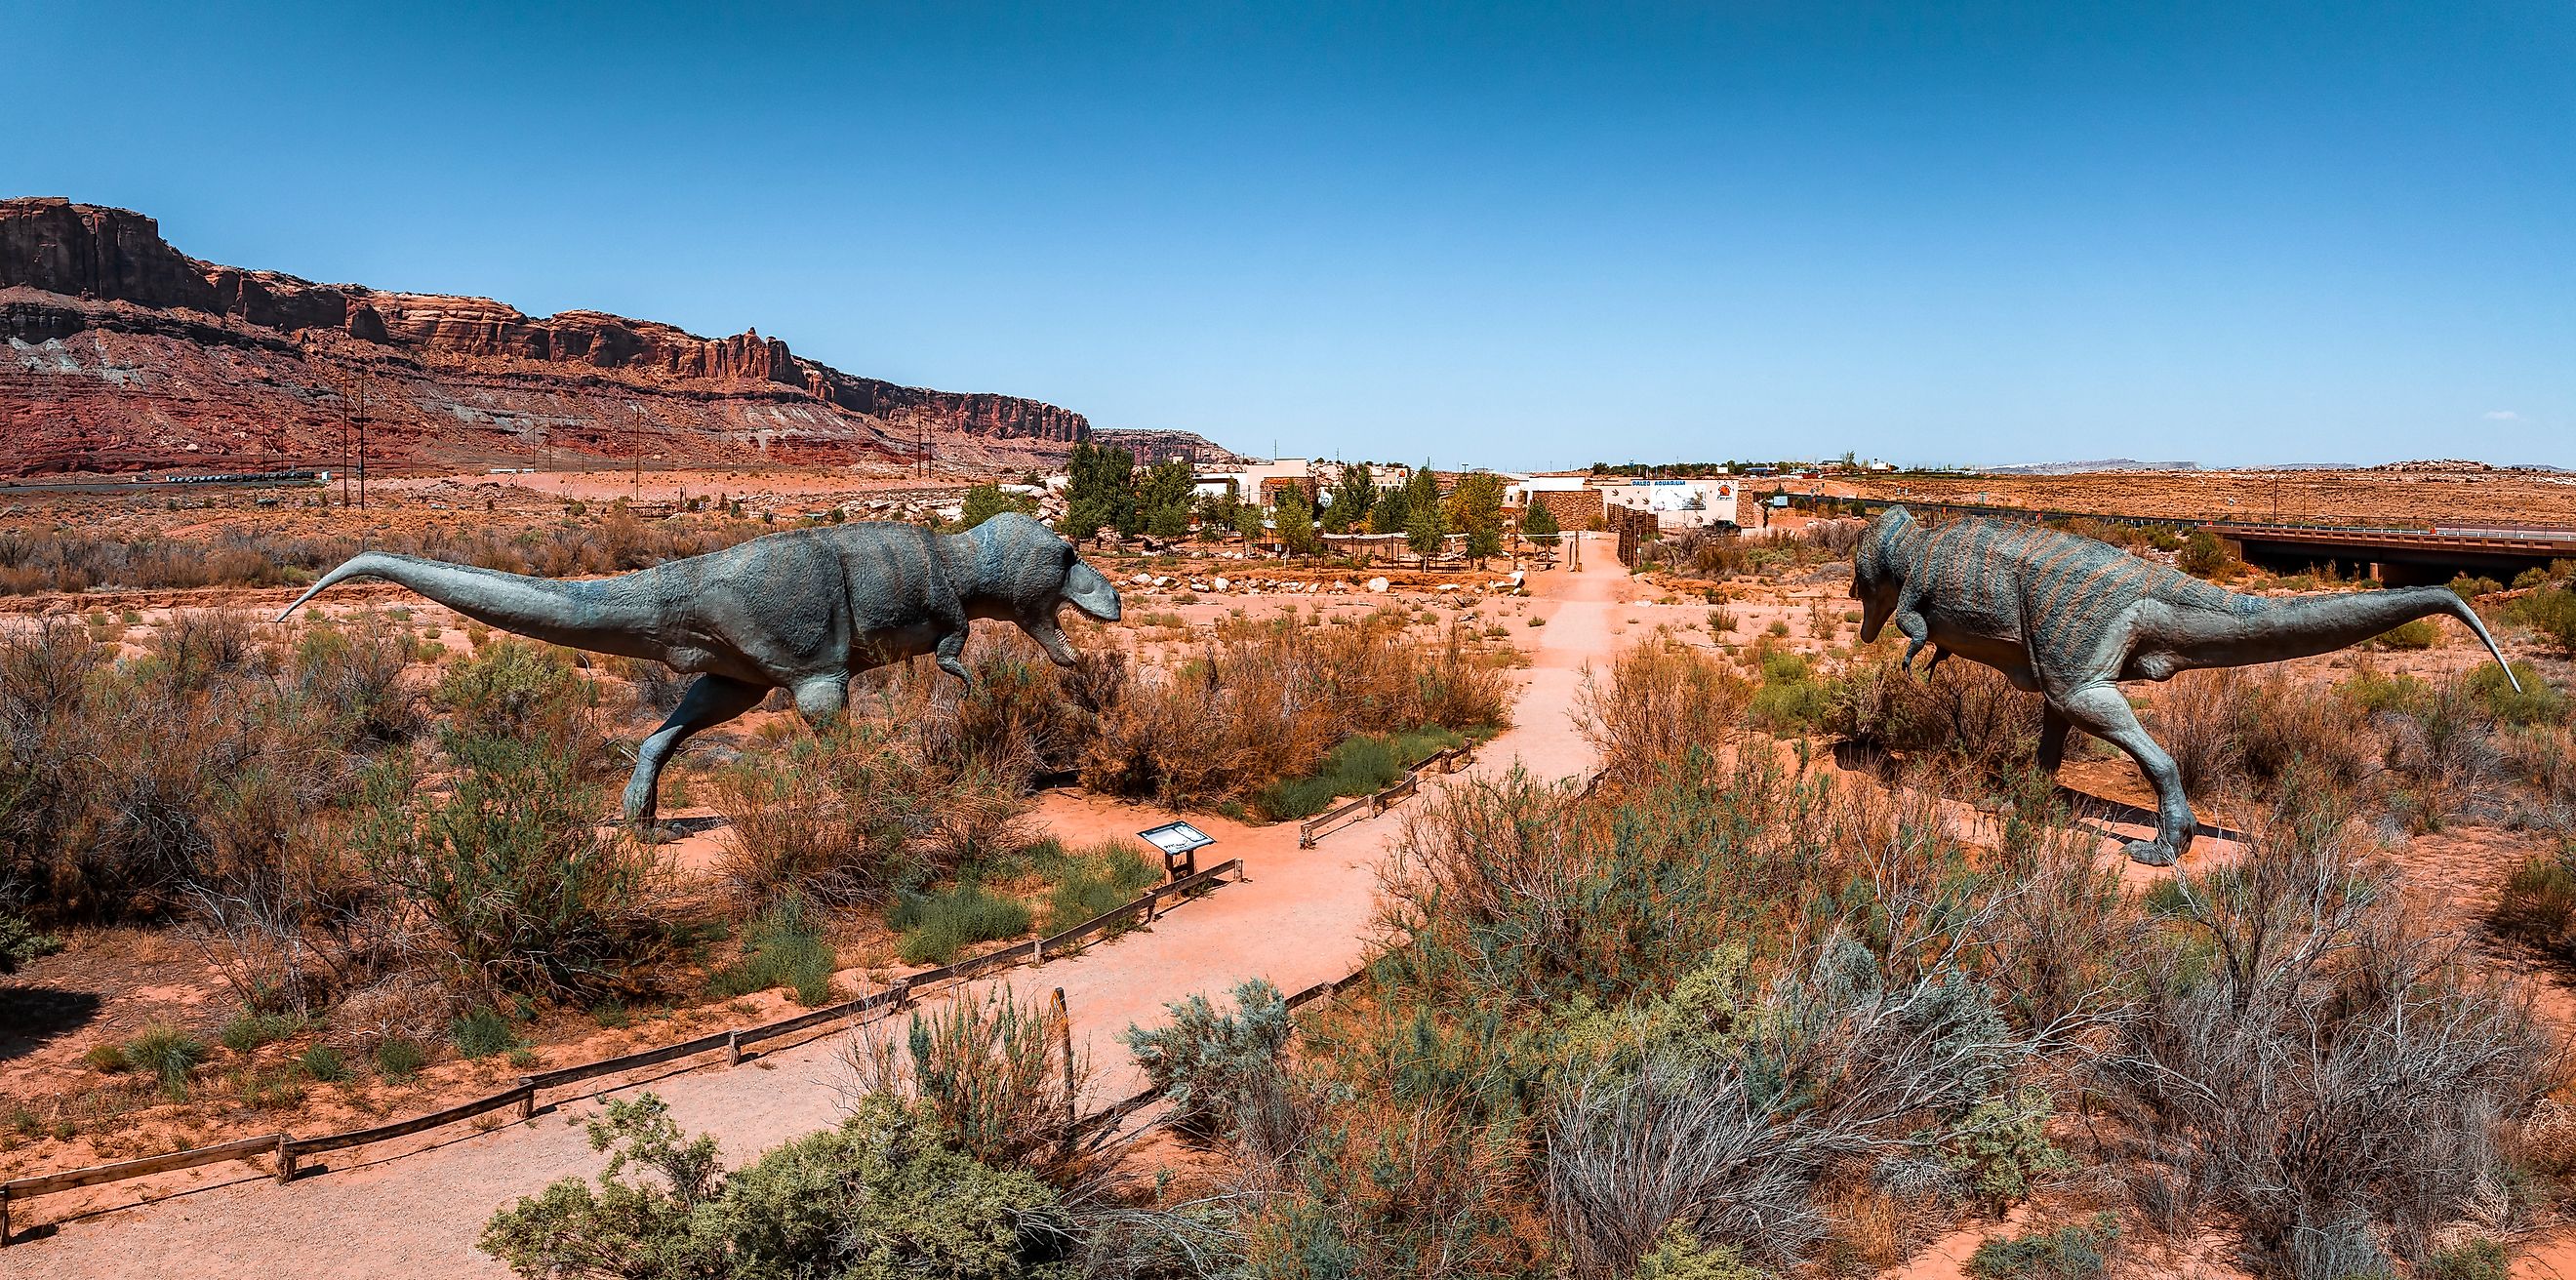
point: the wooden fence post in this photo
(4, 1217)
(1072, 1100)
(528, 1100)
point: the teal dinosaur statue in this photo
(2067, 617)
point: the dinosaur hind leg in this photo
(2101, 711)
(2052, 737)
(710, 701)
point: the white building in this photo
(1679, 504)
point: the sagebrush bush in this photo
(1225, 1074)
(524, 893)
(2075, 1251)
(885, 1194)
(994, 1074)
(129, 787)
(1964, 713)
(2311, 1064)
(1657, 700)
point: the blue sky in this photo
(1512, 235)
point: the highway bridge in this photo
(2398, 556)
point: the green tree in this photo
(1475, 508)
(985, 501)
(1163, 498)
(1540, 522)
(1354, 494)
(1295, 516)
(1424, 526)
(1390, 512)
(1101, 493)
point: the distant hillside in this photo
(125, 354)
(2087, 468)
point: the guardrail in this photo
(1448, 759)
(289, 1150)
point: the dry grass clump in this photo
(1660, 698)
(205, 762)
(68, 559)
(1268, 700)
(2308, 1062)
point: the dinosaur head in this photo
(1879, 567)
(1026, 573)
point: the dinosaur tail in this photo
(610, 615)
(2303, 626)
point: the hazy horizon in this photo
(1516, 236)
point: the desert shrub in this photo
(2263, 727)
(852, 813)
(124, 788)
(2075, 1251)
(20, 942)
(2551, 612)
(2203, 556)
(523, 892)
(885, 1194)
(515, 689)
(1271, 699)
(1225, 1074)
(784, 947)
(2539, 702)
(2419, 634)
(2480, 1258)
(1096, 881)
(1963, 713)
(1660, 699)
(198, 648)
(323, 1063)
(355, 671)
(1686, 1004)
(993, 1073)
(399, 1058)
(2471, 586)
(1792, 698)
(1019, 718)
(2309, 1064)
(936, 926)
(481, 1032)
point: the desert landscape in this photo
(992, 641)
(275, 946)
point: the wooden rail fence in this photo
(289, 1150)
(1447, 760)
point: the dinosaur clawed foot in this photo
(2148, 853)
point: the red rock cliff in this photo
(129, 354)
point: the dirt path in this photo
(417, 1207)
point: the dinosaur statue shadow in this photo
(36, 1016)
(2092, 812)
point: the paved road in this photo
(416, 1208)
